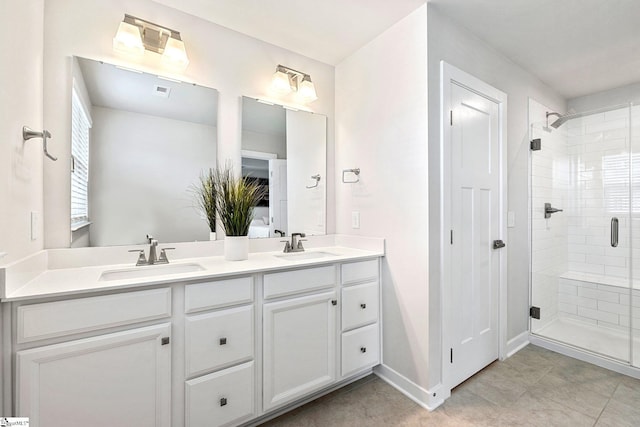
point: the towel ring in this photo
(355, 171)
(317, 178)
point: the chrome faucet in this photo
(153, 244)
(295, 245)
(153, 257)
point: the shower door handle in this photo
(614, 232)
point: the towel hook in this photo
(28, 134)
(317, 178)
(355, 171)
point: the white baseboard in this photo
(517, 343)
(428, 399)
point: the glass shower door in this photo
(581, 256)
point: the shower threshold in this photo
(598, 339)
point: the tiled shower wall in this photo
(599, 304)
(598, 154)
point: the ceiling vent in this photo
(161, 91)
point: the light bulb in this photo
(280, 82)
(306, 90)
(175, 54)
(128, 39)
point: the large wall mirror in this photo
(139, 144)
(285, 150)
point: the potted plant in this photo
(235, 200)
(205, 192)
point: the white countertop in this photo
(76, 280)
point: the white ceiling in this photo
(325, 30)
(121, 89)
(575, 46)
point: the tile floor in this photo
(535, 387)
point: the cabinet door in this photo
(299, 347)
(122, 378)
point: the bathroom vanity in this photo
(228, 343)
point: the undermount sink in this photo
(299, 256)
(149, 271)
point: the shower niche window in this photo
(585, 259)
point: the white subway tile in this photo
(613, 308)
(598, 315)
(569, 289)
(599, 295)
(567, 308)
(578, 301)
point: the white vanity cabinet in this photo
(299, 333)
(89, 381)
(222, 351)
(219, 352)
(360, 338)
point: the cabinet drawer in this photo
(360, 349)
(218, 339)
(222, 398)
(221, 293)
(359, 305)
(360, 271)
(298, 281)
(60, 318)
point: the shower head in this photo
(561, 118)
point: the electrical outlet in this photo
(34, 225)
(355, 219)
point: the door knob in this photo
(497, 244)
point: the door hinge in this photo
(164, 341)
(451, 237)
(536, 144)
(534, 312)
(451, 355)
(451, 117)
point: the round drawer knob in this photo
(223, 401)
(363, 306)
(363, 349)
(223, 341)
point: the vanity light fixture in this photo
(136, 35)
(286, 80)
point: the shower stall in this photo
(585, 233)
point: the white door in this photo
(474, 171)
(120, 379)
(299, 347)
(277, 196)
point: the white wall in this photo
(607, 98)
(141, 174)
(381, 127)
(460, 48)
(233, 63)
(21, 74)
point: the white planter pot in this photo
(236, 248)
(213, 235)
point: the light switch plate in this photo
(34, 225)
(511, 219)
(355, 219)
